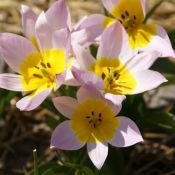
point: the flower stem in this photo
(35, 162)
(152, 10)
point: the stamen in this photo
(90, 121)
(134, 17)
(43, 65)
(109, 69)
(123, 16)
(127, 14)
(36, 67)
(100, 120)
(103, 76)
(37, 75)
(99, 115)
(92, 113)
(48, 65)
(94, 125)
(88, 117)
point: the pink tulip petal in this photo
(98, 153)
(60, 39)
(114, 43)
(11, 82)
(88, 29)
(88, 91)
(43, 32)
(85, 77)
(161, 43)
(28, 21)
(58, 15)
(147, 80)
(14, 49)
(109, 4)
(65, 105)
(127, 133)
(60, 78)
(115, 101)
(142, 61)
(84, 58)
(29, 103)
(64, 138)
(70, 79)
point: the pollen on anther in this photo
(99, 115)
(37, 75)
(126, 12)
(92, 112)
(43, 65)
(134, 17)
(48, 65)
(88, 117)
(103, 76)
(123, 16)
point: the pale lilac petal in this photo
(83, 57)
(28, 20)
(88, 29)
(29, 103)
(115, 101)
(147, 80)
(109, 4)
(142, 61)
(70, 79)
(65, 105)
(97, 152)
(88, 91)
(14, 49)
(43, 32)
(143, 3)
(64, 138)
(114, 43)
(58, 15)
(60, 79)
(86, 77)
(60, 39)
(11, 82)
(161, 43)
(127, 133)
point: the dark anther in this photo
(37, 75)
(99, 115)
(43, 65)
(123, 16)
(48, 65)
(120, 21)
(94, 125)
(134, 17)
(36, 67)
(126, 12)
(100, 120)
(103, 76)
(88, 117)
(109, 69)
(90, 121)
(92, 112)
(116, 74)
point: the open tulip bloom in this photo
(131, 14)
(117, 69)
(42, 61)
(93, 121)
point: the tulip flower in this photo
(117, 69)
(42, 61)
(96, 125)
(131, 14)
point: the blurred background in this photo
(21, 132)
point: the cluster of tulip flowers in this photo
(52, 53)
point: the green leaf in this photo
(172, 38)
(162, 120)
(164, 66)
(87, 171)
(54, 170)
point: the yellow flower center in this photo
(94, 120)
(116, 76)
(130, 14)
(39, 70)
